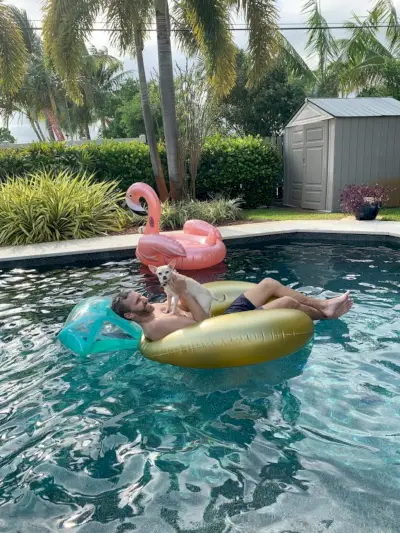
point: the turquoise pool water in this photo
(117, 443)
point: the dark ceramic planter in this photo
(367, 212)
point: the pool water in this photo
(117, 443)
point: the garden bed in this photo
(283, 213)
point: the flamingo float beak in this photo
(136, 208)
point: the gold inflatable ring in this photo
(237, 339)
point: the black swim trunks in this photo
(240, 305)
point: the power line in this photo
(242, 23)
(236, 28)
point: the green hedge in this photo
(233, 167)
(122, 162)
(245, 167)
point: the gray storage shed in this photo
(332, 142)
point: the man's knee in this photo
(268, 283)
(289, 302)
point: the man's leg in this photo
(270, 288)
(286, 302)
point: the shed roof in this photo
(358, 107)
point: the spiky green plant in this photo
(47, 206)
(216, 211)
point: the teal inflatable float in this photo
(93, 327)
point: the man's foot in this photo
(339, 306)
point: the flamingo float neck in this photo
(142, 190)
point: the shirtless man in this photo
(157, 325)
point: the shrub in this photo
(232, 167)
(54, 207)
(214, 211)
(353, 197)
(125, 163)
(245, 167)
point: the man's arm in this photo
(162, 327)
(179, 287)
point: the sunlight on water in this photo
(116, 443)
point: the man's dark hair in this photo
(119, 304)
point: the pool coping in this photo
(123, 246)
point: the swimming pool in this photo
(117, 443)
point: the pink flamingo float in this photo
(199, 246)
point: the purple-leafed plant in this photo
(354, 197)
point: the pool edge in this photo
(58, 258)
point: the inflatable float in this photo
(199, 246)
(221, 341)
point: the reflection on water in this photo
(115, 443)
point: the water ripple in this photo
(116, 443)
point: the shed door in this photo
(315, 165)
(295, 163)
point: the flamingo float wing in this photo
(153, 245)
(200, 227)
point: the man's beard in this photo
(147, 311)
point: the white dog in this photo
(203, 296)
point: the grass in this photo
(390, 213)
(277, 214)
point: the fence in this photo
(141, 139)
(276, 141)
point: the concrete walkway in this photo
(87, 247)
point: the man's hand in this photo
(178, 284)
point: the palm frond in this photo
(363, 39)
(67, 25)
(384, 12)
(262, 23)
(320, 39)
(13, 52)
(209, 32)
(185, 37)
(295, 64)
(31, 39)
(127, 18)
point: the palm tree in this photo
(106, 76)
(206, 26)
(367, 61)
(325, 48)
(99, 75)
(36, 93)
(68, 24)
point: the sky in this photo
(334, 11)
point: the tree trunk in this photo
(167, 91)
(87, 131)
(50, 129)
(33, 126)
(149, 123)
(71, 133)
(39, 128)
(52, 114)
(53, 126)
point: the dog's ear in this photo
(153, 269)
(172, 264)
